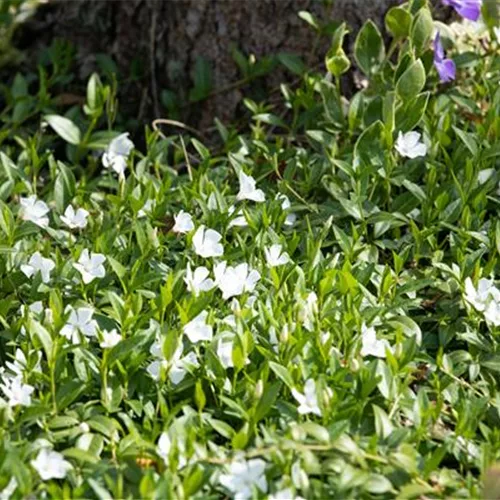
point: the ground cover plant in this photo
(307, 308)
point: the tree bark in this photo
(156, 44)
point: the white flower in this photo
(163, 447)
(198, 329)
(180, 365)
(74, 219)
(234, 281)
(8, 491)
(183, 222)
(370, 346)
(110, 339)
(90, 266)
(198, 281)
(154, 368)
(492, 313)
(275, 257)
(307, 310)
(16, 392)
(485, 174)
(247, 189)
(212, 203)
(479, 298)
(285, 205)
(239, 220)
(409, 145)
(18, 366)
(38, 264)
(225, 353)
(146, 208)
(286, 494)
(243, 476)
(308, 402)
(79, 321)
(117, 153)
(50, 465)
(206, 243)
(34, 210)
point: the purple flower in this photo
(468, 9)
(445, 67)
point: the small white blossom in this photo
(50, 465)
(243, 477)
(225, 353)
(163, 447)
(198, 281)
(308, 310)
(275, 257)
(79, 321)
(198, 329)
(248, 190)
(409, 145)
(90, 265)
(234, 281)
(206, 243)
(212, 203)
(285, 494)
(16, 392)
(9, 490)
(146, 209)
(180, 365)
(308, 402)
(370, 346)
(18, 366)
(38, 264)
(34, 210)
(110, 339)
(481, 296)
(183, 222)
(84, 427)
(492, 313)
(75, 219)
(239, 220)
(117, 153)
(285, 205)
(485, 174)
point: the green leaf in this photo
(267, 400)
(369, 148)
(64, 187)
(409, 115)
(421, 30)
(270, 119)
(338, 63)
(64, 128)
(383, 425)
(369, 50)
(43, 336)
(378, 484)
(397, 22)
(282, 373)
(292, 62)
(412, 81)
(467, 139)
(94, 86)
(202, 77)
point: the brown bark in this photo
(163, 39)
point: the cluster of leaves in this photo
(358, 363)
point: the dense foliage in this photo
(306, 309)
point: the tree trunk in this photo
(156, 45)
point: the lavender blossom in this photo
(468, 9)
(445, 67)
